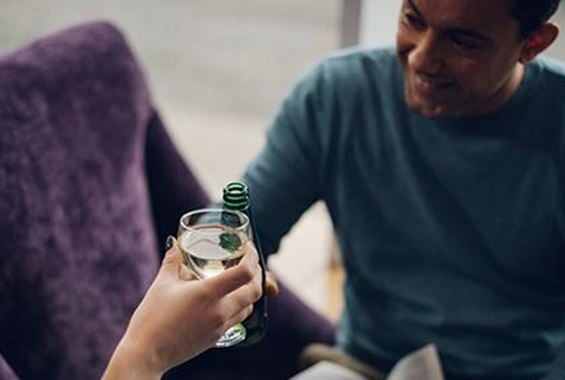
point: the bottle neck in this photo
(236, 196)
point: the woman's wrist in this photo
(131, 360)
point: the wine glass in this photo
(211, 241)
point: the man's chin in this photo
(426, 108)
(431, 111)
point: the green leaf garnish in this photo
(230, 241)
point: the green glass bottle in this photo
(236, 198)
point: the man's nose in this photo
(426, 57)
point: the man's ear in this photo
(538, 41)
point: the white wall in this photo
(378, 21)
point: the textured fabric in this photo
(452, 231)
(78, 248)
(90, 187)
(557, 371)
(6, 372)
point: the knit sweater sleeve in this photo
(287, 176)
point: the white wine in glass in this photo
(213, 240)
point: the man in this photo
(441, 166)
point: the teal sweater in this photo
(452, 231)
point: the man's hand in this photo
(271, 285)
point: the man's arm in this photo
(287, 176)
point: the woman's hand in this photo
(179, 318)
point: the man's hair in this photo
(531, 14)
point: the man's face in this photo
(459, 56)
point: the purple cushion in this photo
(78, 241)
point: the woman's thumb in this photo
(173, 258)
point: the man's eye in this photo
(414, 21)
(466, 44)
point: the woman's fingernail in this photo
(169, 243)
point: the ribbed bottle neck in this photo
(236, 196)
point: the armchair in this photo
(90, 186)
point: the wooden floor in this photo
(335, 277)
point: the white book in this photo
(422, 364)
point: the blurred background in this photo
(218, 70)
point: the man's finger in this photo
(271, 285)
